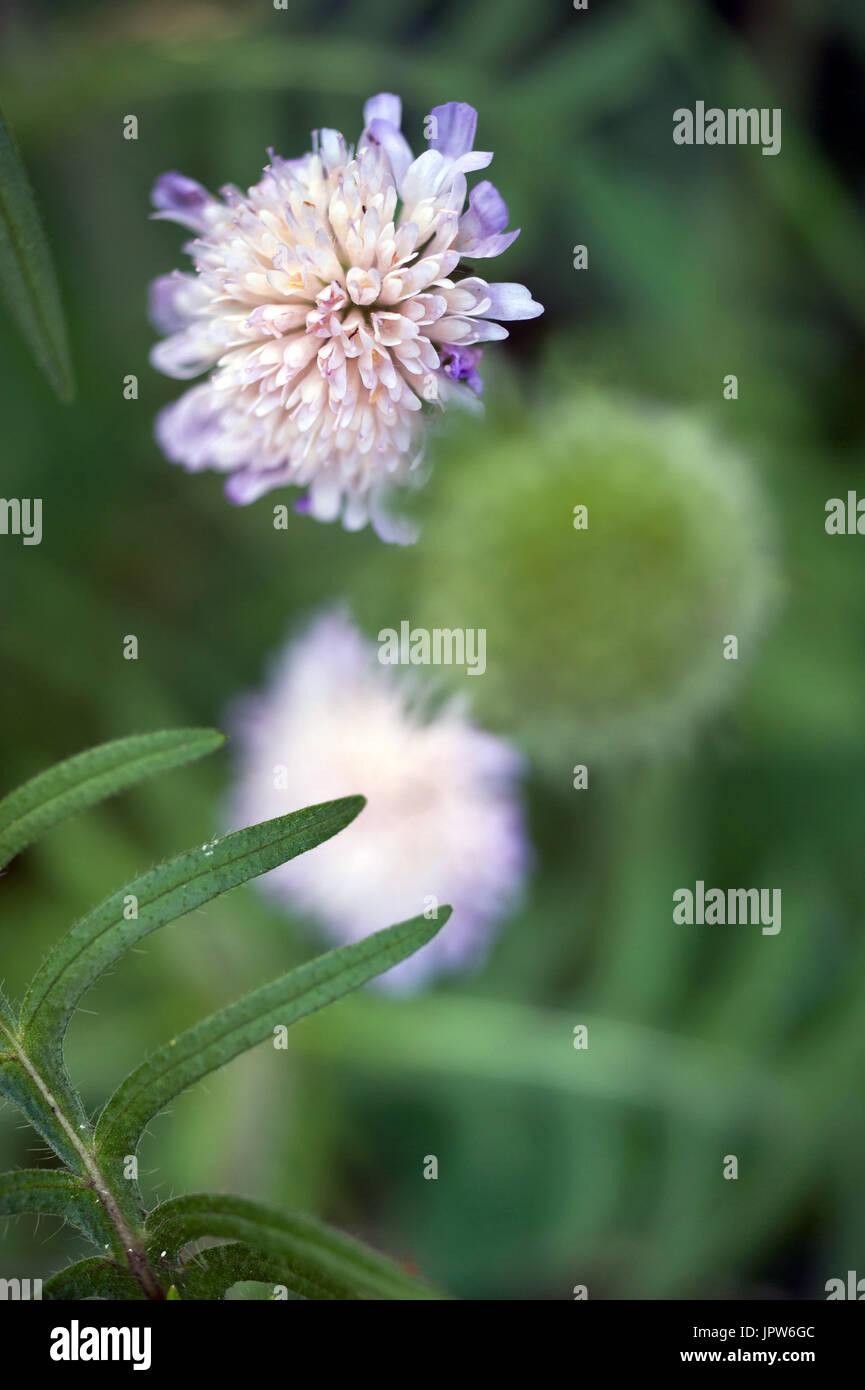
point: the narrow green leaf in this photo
(82, 781)
(239, 1026)
(28, 282)
(211, 1273)
(58, 1118)
(172, 890)
(339, 1265)
(249, 1291)
(8, 1012)
(50, 1191)
(93, 1278)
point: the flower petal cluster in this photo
(443, 821)
(332, 310)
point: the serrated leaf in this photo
(93, 1278)
(336, 1264)
(28, 282)
(243, 1024)
(90, 777)
(172, 890)
(49, 1191)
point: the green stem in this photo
(130, 1242)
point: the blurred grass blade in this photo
(241, 1025)
(489, 1040)
(28, 282)
(157, 897)
(315, 1251)
(93, 1278)
(90, 777)
(52, 1192)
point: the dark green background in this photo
(554, 1170)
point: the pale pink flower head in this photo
(333, 310)
(443, 821)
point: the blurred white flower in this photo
(330, 301)
(443, 821)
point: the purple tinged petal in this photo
(509, 300)
(355, 512)
(423, 177)
(489, 246)
(384, 107)
(461, 363)
(488, 211)
(484, 331)
(469, 163)
(248, 484)
(325, 497)
(231, 194)
(486, 216)
(455, 127)
(294, 166)
(180, 199)
(331, 147)
(393, 142)
(187, 429)
(457, 330)
(240, 487)
(481, 227)
(176, 300)
(184, 355)
(394, 530)
(162, 304)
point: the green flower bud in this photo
(610, 551)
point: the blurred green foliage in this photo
(556, 1167)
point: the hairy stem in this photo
(129, 1241)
